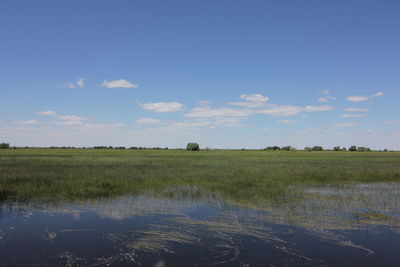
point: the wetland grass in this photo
(245, 177)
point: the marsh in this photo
(181, 208)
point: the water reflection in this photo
(187, 226)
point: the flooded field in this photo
(343, 225)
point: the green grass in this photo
(243, 176)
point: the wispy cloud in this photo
(360, 98)
(346, 124)
(251, 101)
(47, 113)
(288, 121)
(65, 119)
(79, 83)
(147, 121)
(352, 115)
(78, 122)
(119, 84)
(326, 97)
(207, 112)
(249, 109)
(27, 122)
(254, 98)
(201, 123)
(356, 109)
(162, 106)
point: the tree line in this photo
(192, 146)
(320, 148)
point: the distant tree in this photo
(308, 148)
(288, 148)
(363, 149)
(193, 147)
(353, 148)
(4, 145)
(336, 148)
(317, 148)
(344, 149)
(273, 148)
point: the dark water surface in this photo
(353, 225)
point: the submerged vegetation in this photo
(245, 177)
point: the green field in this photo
(246, 177)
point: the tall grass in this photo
(245, 176)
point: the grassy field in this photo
(244, 176)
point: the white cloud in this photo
(80, 83)
(325, 99)
(281, 110)
(252, 101)
(346, 124)
(317, 108)
(360, 98)
(356, 109)
(352, 115)
(288, 121)
(27, 122)
(207, 112)
(47, 112)
(65, 119)
(272, 110)
(162, 106)
(147, 121)
(249, 108)
(119, 84)
(254, 98)
(71, 118)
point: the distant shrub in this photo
(288, 148)
(4, 145)
(353, 148)
(337, 148)
(273, 148)
(193, 147)
(317, 148)
(363, 149)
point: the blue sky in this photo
(227, 74)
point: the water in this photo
(331, 226)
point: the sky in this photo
(225, 74)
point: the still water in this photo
(350, 225)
